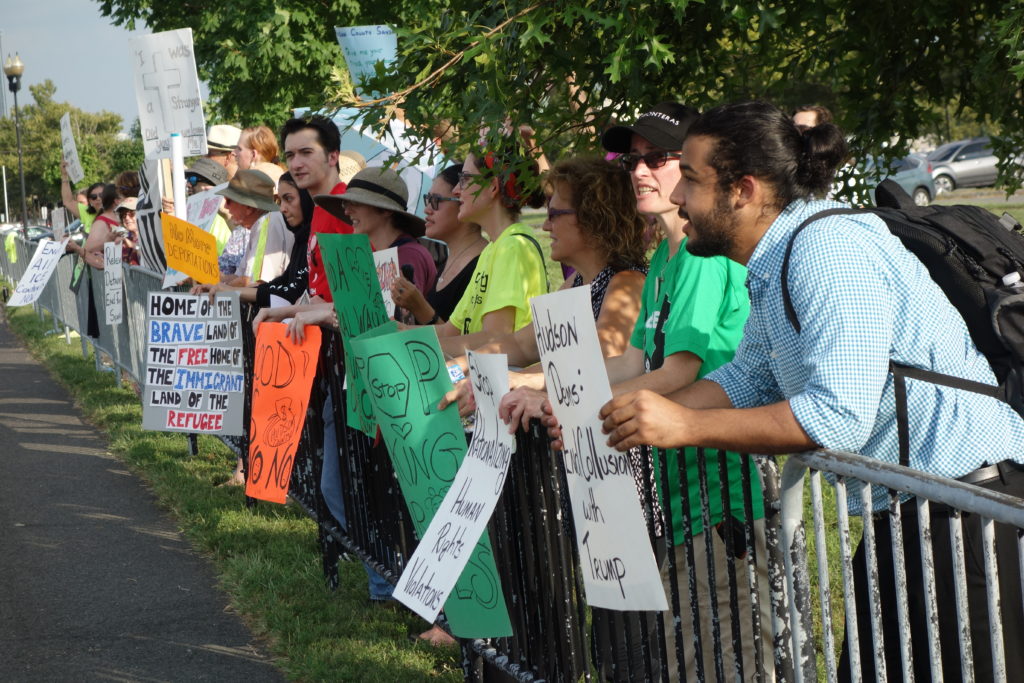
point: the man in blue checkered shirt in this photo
(748, 181)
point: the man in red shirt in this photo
(311, 149)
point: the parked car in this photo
(964, 163)
(912, 173)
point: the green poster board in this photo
(348, 261)
(406, 376)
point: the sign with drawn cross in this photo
(167, 92)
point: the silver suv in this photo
(965, 163)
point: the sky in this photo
(73, 45)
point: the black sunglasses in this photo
(555, 213)
(434, 200)
(652, 159)
(95, 196)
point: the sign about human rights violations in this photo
(193, 378)
(619, 569)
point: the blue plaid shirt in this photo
(863, 299)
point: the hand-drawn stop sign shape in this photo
(389, 385)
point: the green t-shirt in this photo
(509, 272)
(86, 217)
(700, 305)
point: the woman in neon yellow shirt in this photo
(510, 269)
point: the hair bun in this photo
(822, 151)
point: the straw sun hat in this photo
(375, 186)
(252, 188)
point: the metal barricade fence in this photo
(756, 627)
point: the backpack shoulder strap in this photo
(786, 302)
(540, 252)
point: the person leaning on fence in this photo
(862, 300)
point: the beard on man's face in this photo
(712, 233)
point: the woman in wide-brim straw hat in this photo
(375, 203)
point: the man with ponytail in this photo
(861, 301)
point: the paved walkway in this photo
(96, 583)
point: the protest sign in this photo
(202, 207)
(40, 268)
(363, 47)
(59, 224)
(386, 262)
(462, 517)
(193, 378)
(69, 150)
(282, 377)
(113, 283)
(355, 289)
(619, 569)
(167, 92)
(406, 376)
(190, 249)
(147, 217)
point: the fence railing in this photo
(745, 604)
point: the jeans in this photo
(331, 489)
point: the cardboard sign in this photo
(40, 268)
(282, 378)
(386, 262)
(406, 376)
(355, 289)
(363, 47)
(167, 92)
(69, 150)
(113, 283)
(462, 517)
(193, 378)
(202, 207)
(190, 249)
(619, 569)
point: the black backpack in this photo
(967, 251)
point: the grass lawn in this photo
(267, 558)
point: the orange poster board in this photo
(282, 377)
(190, 249)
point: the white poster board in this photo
(201, 208)
(167, 92)
(619, 569)
(386, 262)
(40, 268)
(363, 47)
(69, 150)
(193, 379)
(113, 283)
(462, 517)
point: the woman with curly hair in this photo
(595, 228)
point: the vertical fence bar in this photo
(931, 607)
(995, 618)
(960, 588)
(900, 572)
(846, 556)
(824, 589)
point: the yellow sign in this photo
(190, 249)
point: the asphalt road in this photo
(96, 583)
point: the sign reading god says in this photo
(40, 268)
(167, 92)
(406, 376)
(113, 283)
(69, 150)
(355, 289)
(190, 249)
(463, 515)
(619, 569)
(282, 377)
(193, 379)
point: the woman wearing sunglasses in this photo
(464, 246)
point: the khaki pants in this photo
(720, 594)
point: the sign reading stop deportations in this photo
(193, 378)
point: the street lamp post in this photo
(14, 68)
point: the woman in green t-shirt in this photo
(510, 269)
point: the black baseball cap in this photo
(663, 126)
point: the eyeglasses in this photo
(466, 178)
(434, 200)
(96, 196)
(652, 159)
(193, 179)
(555, 213)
